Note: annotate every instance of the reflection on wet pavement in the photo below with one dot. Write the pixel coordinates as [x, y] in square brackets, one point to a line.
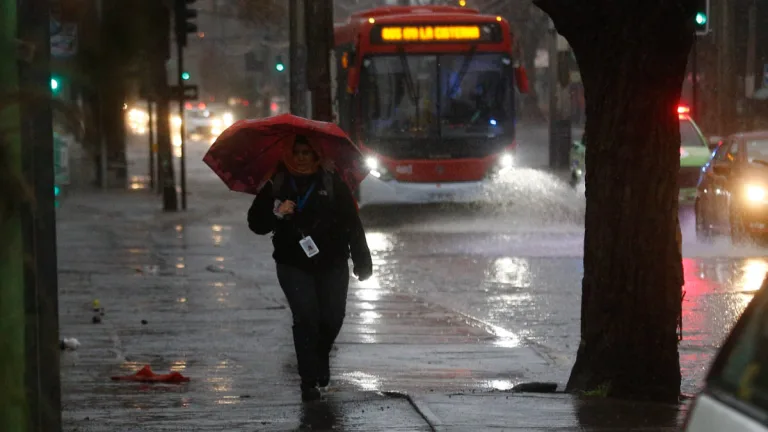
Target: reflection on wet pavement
[462, 300]
[533, 296]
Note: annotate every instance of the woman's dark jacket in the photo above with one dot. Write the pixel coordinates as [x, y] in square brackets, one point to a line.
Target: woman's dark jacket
[333, 224]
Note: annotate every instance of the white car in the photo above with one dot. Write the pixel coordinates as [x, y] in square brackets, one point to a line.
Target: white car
[208, 121]
[735, 396]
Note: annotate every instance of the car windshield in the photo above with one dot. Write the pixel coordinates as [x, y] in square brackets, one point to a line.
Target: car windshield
[690, 135]
[757, 150]
[402, 95]
[200, 114]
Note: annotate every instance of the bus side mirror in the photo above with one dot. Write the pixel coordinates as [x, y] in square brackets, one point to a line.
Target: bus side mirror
[353, 79]
[521, 78]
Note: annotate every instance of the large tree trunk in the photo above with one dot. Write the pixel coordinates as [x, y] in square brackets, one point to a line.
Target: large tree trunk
[632, 55]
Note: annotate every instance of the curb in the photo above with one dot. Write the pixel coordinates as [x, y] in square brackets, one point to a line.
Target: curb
[421, 407]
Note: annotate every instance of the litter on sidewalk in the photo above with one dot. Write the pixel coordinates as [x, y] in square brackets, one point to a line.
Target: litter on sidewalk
[147, 376]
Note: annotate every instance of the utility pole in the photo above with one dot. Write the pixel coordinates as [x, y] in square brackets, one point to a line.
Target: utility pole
[319, 32]
[695, 80]
[38, 220]
[13, 398]
[183, 125]
[553, 95]
[298, 58]
[559, 102]
[151, 133]
[725, 71]
[749, 75]
[158, 53]
[183, 14]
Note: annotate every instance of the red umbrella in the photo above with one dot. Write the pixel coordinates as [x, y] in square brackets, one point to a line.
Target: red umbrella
[246, 154]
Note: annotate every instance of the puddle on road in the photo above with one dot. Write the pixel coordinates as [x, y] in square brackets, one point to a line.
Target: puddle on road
[363, 380]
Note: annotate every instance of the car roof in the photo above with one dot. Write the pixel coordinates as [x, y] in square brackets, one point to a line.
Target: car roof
[752, 135]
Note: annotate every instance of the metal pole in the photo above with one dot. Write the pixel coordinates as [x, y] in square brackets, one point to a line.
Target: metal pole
[161, 21]
[151, 133]
[749, 76]
[695, 80]
[182, 127]
[39, 227]
[554, 89]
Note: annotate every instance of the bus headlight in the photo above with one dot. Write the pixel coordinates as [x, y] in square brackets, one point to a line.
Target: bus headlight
[376, 169]
[756, 193]
[506, 160]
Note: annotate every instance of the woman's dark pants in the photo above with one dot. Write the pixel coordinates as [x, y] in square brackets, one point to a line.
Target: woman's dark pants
[318, 302]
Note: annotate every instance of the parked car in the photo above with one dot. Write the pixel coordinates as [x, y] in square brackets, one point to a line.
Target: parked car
[695, 150]
[732, 194]
[735, 395]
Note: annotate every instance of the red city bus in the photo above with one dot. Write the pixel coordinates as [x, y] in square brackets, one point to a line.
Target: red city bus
[428, 92]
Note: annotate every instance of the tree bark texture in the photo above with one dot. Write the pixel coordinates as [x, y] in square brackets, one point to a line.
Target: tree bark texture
[632, 55]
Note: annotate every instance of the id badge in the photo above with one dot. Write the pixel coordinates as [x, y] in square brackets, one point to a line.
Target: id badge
[309, 246]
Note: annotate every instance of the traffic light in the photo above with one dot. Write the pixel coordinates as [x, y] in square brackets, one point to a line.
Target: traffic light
[279, 65]
[185, 15]
[185, 76]
[701, 17]
[55, 84]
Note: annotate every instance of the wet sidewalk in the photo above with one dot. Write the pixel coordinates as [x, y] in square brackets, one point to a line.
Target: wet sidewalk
[196, 293]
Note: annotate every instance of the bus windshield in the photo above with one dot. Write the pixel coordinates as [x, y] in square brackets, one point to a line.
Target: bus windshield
[457, 95]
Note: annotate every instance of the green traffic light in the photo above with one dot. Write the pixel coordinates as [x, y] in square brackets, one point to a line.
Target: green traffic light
[54, 84]
[185, 76]
[280, 67]
[701, 18]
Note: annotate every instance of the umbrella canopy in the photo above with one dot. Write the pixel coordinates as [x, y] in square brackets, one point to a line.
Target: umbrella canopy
[247, 153]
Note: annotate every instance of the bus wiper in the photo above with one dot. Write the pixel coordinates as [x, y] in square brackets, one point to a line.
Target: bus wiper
[464, 69]
[409, 84]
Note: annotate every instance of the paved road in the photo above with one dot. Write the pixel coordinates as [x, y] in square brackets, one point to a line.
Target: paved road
[464, 300]
[517, 266]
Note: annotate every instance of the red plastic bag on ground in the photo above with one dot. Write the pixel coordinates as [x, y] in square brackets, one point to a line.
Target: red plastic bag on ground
[147, 376]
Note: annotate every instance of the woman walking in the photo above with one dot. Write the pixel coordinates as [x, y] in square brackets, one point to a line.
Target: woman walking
[316, 228]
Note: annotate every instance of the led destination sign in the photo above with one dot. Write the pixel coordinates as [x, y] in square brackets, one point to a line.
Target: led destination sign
[435, 33]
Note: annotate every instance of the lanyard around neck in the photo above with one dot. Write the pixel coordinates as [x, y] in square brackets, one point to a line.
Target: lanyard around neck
[302, 201]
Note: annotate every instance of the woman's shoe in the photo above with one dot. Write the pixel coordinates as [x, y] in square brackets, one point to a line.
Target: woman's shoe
[310, 394]
[323, 381]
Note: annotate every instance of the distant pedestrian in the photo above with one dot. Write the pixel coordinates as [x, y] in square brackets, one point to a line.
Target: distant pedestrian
[316, 228]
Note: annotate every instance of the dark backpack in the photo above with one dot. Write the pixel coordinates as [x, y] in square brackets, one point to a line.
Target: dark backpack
[279, 180]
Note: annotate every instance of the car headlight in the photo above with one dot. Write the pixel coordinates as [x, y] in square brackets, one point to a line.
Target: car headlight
[176, 120]
[216, 124]
[228, 119]
[756, 193]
